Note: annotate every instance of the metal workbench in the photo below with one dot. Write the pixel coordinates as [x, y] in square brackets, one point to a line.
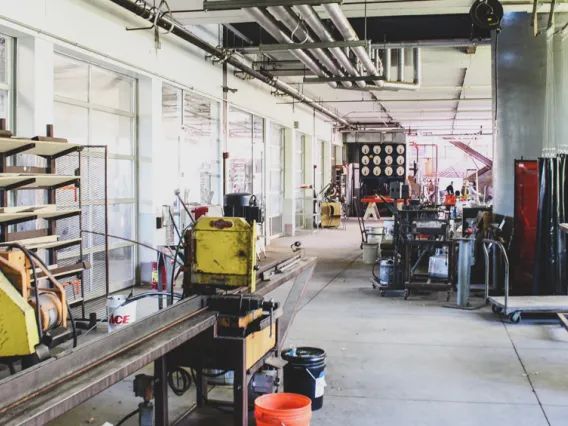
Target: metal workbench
[44, 392]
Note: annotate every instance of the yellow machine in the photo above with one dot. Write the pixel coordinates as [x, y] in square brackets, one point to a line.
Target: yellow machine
[18, 320]
[223, 252]
[331, 215]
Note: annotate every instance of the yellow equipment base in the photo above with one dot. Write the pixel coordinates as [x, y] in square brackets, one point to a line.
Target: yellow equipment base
[331, 215]
[224, 252]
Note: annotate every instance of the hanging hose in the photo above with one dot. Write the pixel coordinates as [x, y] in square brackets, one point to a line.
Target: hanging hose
[180, 375]
[128, 416]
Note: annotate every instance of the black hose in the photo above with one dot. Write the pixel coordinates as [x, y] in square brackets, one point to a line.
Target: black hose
[73, 327]
[180, 375]
[42, 263]
[149, 294]
[128, 416]
[37, 308]
[373, 270]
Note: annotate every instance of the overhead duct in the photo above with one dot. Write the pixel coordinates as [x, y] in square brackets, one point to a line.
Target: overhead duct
[401, 85]
[146, 11]
[342, 23]
[287, 16]
[267, 21]
[315, 23]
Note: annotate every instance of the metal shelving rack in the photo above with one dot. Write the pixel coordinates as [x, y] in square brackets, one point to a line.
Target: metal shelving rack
[16, 178]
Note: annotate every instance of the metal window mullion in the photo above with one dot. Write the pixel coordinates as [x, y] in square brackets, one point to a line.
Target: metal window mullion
[95, 107]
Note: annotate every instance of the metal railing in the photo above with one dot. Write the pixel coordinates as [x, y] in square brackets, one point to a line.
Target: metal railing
[488, 245]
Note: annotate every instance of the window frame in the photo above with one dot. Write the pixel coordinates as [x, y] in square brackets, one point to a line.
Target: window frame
[133, 157]
[8, 86]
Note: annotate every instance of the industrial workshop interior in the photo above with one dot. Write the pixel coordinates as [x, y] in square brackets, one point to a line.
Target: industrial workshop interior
[283, 212]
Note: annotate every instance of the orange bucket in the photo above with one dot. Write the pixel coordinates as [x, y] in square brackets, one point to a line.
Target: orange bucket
[283, 409]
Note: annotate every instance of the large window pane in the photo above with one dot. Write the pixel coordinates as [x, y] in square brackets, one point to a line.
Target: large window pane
[72, 122]
[112, 130]
[111, 90]
[4, 104]
[3, 61]
[71, 78]
[121, 176]
[121, 221]
[240, 151]
[275, 166]
[121, 265]
[201, 125]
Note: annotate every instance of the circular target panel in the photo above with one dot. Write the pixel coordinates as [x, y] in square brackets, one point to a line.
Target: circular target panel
[365, 160]
[388, 171]
[400, 171]
[400, 149]
[377, 171]
[365, 149]
[400, 160]
[377, 149]
[365, 171]
[389, 149]
[388, 160]
[377, 160]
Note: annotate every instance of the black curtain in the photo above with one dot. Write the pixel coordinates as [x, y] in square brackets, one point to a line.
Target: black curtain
[550, 276]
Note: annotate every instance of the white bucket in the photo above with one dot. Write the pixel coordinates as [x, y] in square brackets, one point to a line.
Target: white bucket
[118, 315]
[370, 253]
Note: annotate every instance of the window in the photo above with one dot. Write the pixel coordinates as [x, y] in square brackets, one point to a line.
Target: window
[246, 153]
[6, 89]
[299, 178]
[95, 106]
[275, 165]
[192, 133]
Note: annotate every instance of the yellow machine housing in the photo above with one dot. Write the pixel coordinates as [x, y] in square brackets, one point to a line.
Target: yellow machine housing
[331, 215]
[17, 318]
[224, 253]
[18, 326]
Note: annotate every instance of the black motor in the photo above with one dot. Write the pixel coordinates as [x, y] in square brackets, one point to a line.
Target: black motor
[242, 205]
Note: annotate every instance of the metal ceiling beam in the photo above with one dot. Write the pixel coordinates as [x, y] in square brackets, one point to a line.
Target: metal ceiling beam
[318, 80]
[358, 101]
[460, 42]
[147, 12]
[242, 4]
[307, 46]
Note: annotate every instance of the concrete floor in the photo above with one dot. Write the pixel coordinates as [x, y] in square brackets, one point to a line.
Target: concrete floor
[401, 363]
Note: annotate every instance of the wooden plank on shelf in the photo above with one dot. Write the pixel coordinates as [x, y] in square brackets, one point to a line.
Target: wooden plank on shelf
[37, 181]
[43, 148]
[26, 209]
[24, 235]
[53, 244]
[25, 216]
[62, 271]
[38, 240]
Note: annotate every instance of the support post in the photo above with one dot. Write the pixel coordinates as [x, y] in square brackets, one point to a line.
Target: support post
[161, 392]
[464, 272]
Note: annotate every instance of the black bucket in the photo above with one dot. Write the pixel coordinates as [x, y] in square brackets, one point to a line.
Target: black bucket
[305, 373]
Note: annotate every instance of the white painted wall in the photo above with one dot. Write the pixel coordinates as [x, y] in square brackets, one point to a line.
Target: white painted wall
[96, 28]
[95, 31]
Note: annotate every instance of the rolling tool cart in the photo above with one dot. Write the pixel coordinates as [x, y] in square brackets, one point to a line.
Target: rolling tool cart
[512, 307]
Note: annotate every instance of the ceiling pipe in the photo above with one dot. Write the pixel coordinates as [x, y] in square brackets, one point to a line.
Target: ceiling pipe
[316, 24]
[342, 23]
[287, 16]
[401, 65]
[400, 85]
[146, 11]
[388, 64]
[270, 24]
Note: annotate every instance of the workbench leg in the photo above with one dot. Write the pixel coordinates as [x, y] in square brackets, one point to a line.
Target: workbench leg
[240, 387]
[200, 387]
[161, 392]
